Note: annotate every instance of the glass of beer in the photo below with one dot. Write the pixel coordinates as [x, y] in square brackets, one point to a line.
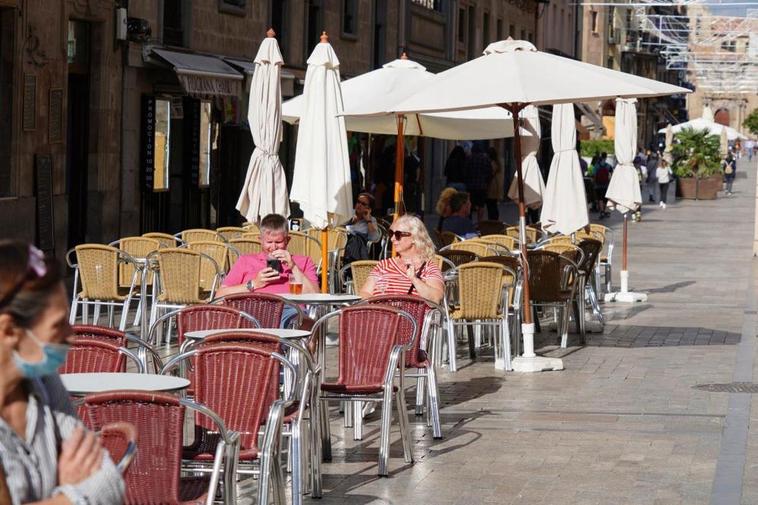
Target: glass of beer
[296, 287]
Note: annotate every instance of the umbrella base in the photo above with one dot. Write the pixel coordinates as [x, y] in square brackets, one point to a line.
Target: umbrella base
[537, 364]
[625, 297]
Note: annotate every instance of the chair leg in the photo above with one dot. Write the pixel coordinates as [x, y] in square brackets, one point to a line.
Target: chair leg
[503, 347]
[85, 311]
[96, 317]
[405, 433]
[296, 457]
[315, 446]
[326, 436]
[347, 421]
[357, 409]
[138, 313]
[592, 295]
[384, 438]
[563, 324]
[478, 336]
[434, 402]
[420, 394]
[582, 309]
[471, 341]
[124, 314]
[74, 310]
[451, 346]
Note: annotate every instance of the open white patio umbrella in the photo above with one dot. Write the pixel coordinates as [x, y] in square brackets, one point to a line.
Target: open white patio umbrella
[564, 209]
[513, 74]
[369, 96]
[624, 187]
[534, 187]
[321, 179]
[702, 123]
[265, 188]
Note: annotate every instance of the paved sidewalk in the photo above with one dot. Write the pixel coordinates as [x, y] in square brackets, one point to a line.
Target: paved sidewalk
[623, 423]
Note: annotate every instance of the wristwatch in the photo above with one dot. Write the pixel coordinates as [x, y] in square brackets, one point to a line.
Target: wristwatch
[250, 286]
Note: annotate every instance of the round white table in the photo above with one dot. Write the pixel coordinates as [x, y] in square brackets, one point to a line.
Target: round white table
[87, 383]
[276, 332]
[321, 298]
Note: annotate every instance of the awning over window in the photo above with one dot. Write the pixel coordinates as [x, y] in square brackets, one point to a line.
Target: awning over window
[248, 67]
[203, 76]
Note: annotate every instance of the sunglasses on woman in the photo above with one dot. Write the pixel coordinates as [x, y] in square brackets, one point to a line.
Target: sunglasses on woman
[397, 235]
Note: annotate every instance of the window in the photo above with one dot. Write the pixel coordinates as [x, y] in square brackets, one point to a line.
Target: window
[236, 7]
[279, 17]
[7, 35]
[471, 32]
[593, 21]
[486, 29]
[511, 31]
[432, 5]
[349, 17]
[315, 26]
[499, 29]
[173, 26]
[461, 25]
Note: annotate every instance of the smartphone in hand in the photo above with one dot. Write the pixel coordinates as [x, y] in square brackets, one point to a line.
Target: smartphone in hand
[275, 264]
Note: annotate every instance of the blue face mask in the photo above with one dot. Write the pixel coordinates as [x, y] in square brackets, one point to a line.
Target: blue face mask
[53, 356]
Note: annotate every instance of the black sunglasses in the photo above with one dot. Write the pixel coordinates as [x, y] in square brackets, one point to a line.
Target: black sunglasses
[399, 234]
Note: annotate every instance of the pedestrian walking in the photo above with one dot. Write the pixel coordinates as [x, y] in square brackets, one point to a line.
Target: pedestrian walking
[729, 165]
[663, 174]
[750, 147]
[652, 178]
[497, 186]
[602, 179]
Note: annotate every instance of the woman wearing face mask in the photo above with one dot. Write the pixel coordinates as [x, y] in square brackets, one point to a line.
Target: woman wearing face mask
[47, 455]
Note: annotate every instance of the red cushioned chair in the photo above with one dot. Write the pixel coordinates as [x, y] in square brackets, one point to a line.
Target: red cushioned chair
[120, 338]
[264, 307]
[369, 356]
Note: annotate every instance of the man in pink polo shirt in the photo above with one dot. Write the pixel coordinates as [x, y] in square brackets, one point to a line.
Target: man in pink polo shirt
[251, 272]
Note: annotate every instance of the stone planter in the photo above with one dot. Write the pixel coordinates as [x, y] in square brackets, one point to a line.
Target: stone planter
[691, 188]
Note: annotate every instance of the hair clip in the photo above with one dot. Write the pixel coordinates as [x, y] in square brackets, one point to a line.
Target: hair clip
[37, 261]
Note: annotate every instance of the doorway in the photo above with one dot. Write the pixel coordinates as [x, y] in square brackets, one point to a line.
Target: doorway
[77, 129]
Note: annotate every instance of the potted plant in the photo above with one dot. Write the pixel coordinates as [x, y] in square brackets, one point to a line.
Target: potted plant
[697, 164]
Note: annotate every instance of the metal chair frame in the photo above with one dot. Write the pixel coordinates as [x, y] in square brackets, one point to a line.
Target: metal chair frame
[130, 435]
[83, 342]
[348, 285]
[568, 282]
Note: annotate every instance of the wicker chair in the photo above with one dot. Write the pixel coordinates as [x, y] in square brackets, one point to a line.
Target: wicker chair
[154, 473]
[443, 263]
[336, 242]
[266, 308]
[120, 440]
[220, 252]
[604, 264]
[199, 234]
[164, 239]
[359, 272]
[571, 251]
[445, 238]
[369, 358]
[138, 248]
[94, 356]
[422, 353]
[480, 294]
[229, 232]
[251, 227]
[241, 246]
[513, 286]
[552, 282]
[180, 279]
[491, 227]
[458, 257]
[241, 384]
[120, 339]
[478, 248]
[532, 234]
[493, 246]
[510, 243]
[591, 249]
[96, 269]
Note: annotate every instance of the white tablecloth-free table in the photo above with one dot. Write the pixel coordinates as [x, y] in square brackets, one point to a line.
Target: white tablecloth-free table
[276, 332]
[321, 298]
[87, 383]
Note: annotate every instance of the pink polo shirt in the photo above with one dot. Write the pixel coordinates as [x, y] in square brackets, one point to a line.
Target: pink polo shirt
[248, 266]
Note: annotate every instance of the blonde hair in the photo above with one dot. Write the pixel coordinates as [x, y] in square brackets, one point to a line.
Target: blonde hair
[444, 199]
[419, 235]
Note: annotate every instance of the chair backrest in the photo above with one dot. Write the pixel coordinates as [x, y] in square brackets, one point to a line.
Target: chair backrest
[199, 234]
[300, 244]
[480, 289]
[136, 247]
[93, 356]
[98, 271]
[239, 383]
[531, 233]
[268, 342]
[360, 271]
[477, 248]
[367, 334]
[264, 307]
[506, 241]
[241, 246]
[229, 232]
[458, 257]
[417, 307]
[447, 237]
[492, 247]
[153, 475]
[559, 239]
[164, 239]
[219, 252]
[490, 227]
[210, 317]
[251, 227]
[91, 332]
[571, 251]
[512, 273]
[443, 263]
[180, 275]
[592, 249]
[336, 241]
[545, 276]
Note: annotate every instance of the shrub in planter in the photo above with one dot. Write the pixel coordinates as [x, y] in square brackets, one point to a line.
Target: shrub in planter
[697, 163]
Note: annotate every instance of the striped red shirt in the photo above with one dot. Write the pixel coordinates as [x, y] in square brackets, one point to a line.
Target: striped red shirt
[390, 277]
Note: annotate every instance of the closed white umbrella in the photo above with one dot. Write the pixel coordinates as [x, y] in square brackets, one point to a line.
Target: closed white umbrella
[513, 74]
[624, 187]
[564, 209]
[724, 143]
[265, 188]
[534, 186]
[321, 179]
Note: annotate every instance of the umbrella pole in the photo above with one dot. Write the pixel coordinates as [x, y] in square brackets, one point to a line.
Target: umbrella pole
[324, 261]
[624, 295]
[399, 171]
[528, 361]
[624, 249]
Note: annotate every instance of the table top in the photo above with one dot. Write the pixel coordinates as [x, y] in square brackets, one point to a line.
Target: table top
[277, 332]
[86, 383]
[321, 298]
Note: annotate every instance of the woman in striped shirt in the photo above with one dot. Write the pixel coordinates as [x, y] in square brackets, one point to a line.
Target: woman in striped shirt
[47, 455]
[413, 270]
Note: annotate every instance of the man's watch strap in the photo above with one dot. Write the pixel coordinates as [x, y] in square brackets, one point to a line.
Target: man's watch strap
[250, 286]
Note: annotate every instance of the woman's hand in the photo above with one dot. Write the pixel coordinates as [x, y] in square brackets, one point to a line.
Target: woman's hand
[81, 456]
